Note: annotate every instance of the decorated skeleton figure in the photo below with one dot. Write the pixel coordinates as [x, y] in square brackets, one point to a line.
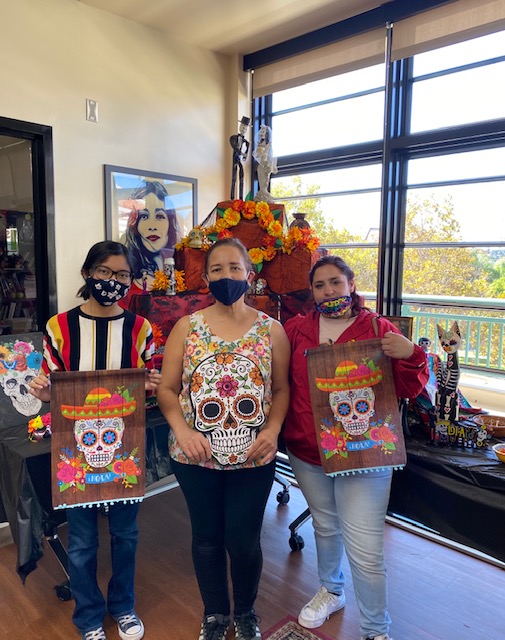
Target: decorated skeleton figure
[447, 399]
[19, 364]
[227, 393]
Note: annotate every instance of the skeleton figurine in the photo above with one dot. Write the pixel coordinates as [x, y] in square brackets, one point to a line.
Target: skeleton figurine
[240, 147]
[227, 392]
[266, 163]
[447, 397]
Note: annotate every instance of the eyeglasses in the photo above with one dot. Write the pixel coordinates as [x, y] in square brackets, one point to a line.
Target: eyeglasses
[104, 273]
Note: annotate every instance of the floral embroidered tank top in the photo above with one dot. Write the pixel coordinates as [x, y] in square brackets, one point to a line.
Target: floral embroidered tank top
[226, 390]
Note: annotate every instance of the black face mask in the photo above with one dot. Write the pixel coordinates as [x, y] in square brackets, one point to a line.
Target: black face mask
[227, 291]
[107, 292]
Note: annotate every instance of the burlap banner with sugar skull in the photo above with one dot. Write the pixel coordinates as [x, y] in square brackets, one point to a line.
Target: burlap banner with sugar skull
[358, 424]
[98, 441]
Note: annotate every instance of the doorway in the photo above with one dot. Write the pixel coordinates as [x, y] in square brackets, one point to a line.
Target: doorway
[27, 262]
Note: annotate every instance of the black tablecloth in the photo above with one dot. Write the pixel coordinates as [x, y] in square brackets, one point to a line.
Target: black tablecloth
[457, 492]
[25, 484]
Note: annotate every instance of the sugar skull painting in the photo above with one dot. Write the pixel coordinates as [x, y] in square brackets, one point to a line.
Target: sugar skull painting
[98, 437]
[356, 417]
[227, 396]
[19, 364]
[99, 425]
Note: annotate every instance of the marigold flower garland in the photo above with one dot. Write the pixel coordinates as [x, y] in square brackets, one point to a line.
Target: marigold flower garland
[273, 241]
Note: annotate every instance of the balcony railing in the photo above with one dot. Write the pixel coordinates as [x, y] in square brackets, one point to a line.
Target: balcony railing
[481, 322]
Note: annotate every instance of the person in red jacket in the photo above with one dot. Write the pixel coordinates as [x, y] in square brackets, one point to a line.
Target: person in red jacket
[348, 511]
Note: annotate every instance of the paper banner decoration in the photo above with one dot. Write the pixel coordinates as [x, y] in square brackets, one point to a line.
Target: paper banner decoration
[356, 416]
[98, 441]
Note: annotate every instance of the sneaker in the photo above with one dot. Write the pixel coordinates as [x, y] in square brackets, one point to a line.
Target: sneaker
[214, 627]
[320, 608]
[384, 636]
[246, 626]
[96, 634]
[130, 627]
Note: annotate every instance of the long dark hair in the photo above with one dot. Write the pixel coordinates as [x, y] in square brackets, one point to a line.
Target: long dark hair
[230, 242]
[336, 261]
[144, 259]
[99, 253]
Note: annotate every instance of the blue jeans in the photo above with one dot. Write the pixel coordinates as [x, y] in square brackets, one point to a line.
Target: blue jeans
[349, 512]
[90, 606]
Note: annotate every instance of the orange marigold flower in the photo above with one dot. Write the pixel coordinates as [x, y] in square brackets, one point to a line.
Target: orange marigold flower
[268, 240]
[180, 282]
[160, 282]
[159, 338]
[275, 229]
[265, 219]
[225, 233]
[256, 255]
[269, 253]
[249, 210]
[237, 205]
[262, 208]
[232, 217]
[221, 224]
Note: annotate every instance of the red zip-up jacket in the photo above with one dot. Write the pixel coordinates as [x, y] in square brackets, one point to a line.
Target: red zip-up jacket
[299, 434]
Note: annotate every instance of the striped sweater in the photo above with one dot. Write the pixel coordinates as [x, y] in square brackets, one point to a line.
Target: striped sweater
[74, 341]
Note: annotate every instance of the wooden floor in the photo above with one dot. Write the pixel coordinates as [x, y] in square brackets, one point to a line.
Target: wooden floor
[435, 593]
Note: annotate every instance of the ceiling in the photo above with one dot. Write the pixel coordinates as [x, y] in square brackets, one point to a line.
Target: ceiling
[235, 26]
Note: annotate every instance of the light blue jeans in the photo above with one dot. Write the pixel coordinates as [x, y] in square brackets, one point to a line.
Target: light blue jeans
[349, 512]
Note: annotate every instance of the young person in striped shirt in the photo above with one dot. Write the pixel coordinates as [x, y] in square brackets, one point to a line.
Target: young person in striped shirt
[98, 335]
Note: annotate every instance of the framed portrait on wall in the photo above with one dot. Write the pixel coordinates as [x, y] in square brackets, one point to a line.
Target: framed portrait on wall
[148, 212]
[404, 323]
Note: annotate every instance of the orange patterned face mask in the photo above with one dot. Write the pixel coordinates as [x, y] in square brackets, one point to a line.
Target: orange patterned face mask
[334, 307]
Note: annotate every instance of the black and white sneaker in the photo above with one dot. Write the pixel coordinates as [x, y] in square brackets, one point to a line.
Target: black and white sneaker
[246, 626]
[214, 627]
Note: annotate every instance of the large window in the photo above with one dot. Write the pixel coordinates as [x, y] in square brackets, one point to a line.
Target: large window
[434, 238]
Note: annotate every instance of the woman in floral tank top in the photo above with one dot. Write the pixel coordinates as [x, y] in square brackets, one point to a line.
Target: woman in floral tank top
[225, 393]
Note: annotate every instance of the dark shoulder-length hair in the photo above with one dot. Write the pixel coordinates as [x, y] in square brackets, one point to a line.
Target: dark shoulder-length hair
[99, 253]
[145, 259]
[339, 263]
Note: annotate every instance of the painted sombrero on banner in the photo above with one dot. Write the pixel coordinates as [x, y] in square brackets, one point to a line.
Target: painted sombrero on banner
[356, 416]
[100, 459]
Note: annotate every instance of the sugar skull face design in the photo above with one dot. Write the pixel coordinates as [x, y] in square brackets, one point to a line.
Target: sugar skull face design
[19, 364]
[353, 408]
[99, 425]
[352, 399]
[227, 397]
[98, 439]
[16, 385]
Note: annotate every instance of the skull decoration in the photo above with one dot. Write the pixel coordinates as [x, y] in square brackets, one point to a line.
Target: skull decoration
[227, 392]
[98, 439]
[19, 364]
[353, 408]
[16, 385]
[352, 399]
[99, 425]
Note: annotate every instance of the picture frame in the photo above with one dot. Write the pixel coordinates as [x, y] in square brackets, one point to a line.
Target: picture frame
[404, 323]
[122, 182]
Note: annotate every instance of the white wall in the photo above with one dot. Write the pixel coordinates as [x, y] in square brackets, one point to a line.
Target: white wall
[164, 106]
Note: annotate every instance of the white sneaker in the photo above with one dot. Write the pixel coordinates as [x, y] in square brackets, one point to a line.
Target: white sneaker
[320, 608]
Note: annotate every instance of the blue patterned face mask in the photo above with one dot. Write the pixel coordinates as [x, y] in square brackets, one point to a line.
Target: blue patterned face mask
[335, 307]
[227, 291]
[107, 292]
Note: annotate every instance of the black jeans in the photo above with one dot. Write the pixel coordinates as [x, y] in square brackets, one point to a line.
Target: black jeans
[226, 510]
